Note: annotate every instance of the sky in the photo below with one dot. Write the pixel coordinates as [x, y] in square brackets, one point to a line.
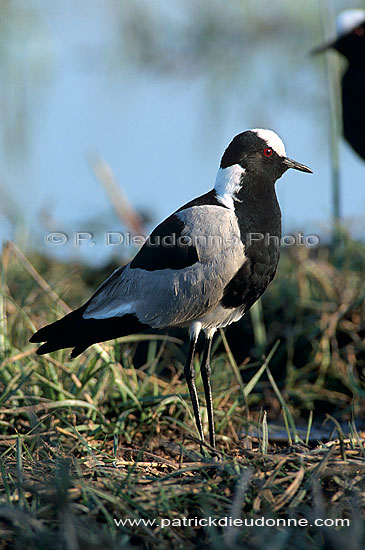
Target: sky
[158, 93]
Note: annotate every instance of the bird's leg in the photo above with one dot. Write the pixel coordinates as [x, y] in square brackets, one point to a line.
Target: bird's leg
[189, 374]
[205, 372]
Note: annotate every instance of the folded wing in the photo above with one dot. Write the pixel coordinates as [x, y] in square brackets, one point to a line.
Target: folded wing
[179, 274]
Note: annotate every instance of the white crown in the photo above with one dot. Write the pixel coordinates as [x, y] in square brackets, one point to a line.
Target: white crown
[348, 20]
[273, 141]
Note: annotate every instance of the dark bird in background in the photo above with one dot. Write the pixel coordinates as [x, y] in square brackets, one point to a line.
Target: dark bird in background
[202, 268]
[350, 42]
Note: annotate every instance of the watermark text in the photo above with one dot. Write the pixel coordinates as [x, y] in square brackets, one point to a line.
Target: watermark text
[116, 238]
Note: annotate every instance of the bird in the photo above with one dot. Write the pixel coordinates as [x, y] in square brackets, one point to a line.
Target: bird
[350, 42]
[202, 268]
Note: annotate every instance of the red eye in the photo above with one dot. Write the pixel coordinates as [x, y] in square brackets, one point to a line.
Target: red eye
[268, 152]
[359, 31]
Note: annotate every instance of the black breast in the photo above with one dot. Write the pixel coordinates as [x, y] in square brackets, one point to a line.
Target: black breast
[252, 279]
[259, 220]
[353, 107]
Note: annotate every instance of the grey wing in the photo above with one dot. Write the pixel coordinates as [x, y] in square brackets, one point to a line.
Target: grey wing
[171, 297]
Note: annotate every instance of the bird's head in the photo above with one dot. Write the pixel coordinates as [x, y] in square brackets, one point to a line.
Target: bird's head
[261, 153]
[253, 160]
[350, 36]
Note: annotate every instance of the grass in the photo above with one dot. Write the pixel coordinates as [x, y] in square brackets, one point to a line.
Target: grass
[110, 435]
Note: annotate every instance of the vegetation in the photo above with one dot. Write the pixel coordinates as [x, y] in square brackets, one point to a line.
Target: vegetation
[110, 435]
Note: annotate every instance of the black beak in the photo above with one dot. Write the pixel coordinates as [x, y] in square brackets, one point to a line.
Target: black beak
[323, 47]
[289, 163]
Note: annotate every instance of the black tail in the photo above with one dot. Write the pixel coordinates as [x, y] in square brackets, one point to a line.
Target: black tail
[73, 331]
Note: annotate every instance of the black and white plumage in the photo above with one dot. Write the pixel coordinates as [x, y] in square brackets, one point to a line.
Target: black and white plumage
[202, 268]
[350, 42]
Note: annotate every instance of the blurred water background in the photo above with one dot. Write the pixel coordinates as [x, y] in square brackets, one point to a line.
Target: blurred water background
[158, 89]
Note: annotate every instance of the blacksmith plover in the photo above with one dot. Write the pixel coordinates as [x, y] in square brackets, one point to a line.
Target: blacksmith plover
[350, 42]
[201, 268]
